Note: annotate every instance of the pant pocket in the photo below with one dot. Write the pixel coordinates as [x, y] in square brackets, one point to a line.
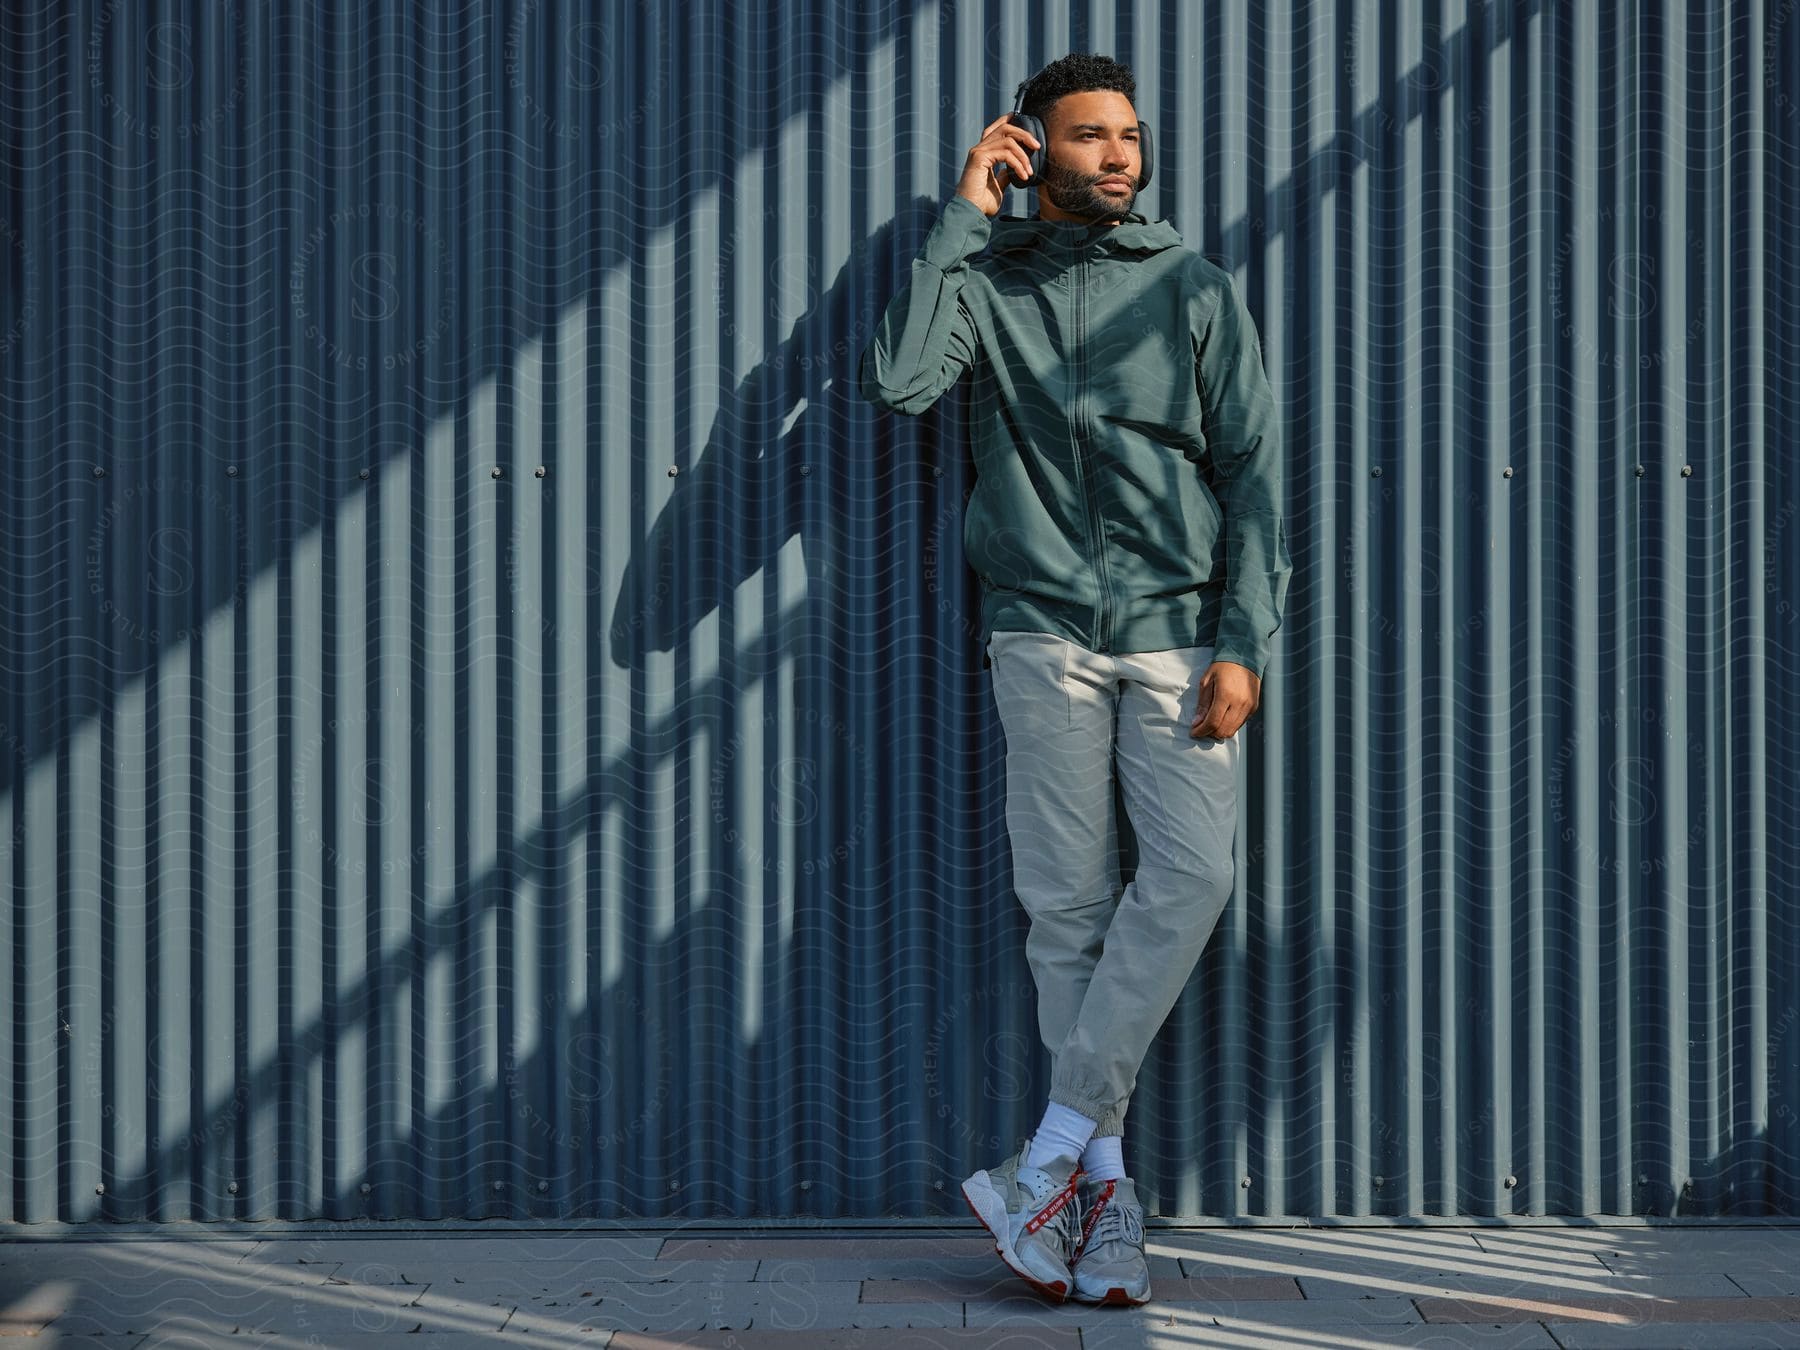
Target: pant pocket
[1029, 676]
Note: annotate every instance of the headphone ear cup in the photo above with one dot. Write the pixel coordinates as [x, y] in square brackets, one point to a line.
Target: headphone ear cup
[1035, 129]
[1148, 151]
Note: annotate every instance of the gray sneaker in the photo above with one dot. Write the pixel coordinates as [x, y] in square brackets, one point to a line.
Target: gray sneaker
[1031, 1213]
[1109, 1265]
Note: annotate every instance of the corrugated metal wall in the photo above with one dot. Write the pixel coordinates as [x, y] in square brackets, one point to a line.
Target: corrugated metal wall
[493, 726]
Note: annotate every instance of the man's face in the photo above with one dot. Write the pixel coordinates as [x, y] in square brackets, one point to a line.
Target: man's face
[1090, 138]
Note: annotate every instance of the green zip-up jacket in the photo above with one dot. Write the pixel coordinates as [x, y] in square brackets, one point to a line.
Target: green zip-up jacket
[1127, 445]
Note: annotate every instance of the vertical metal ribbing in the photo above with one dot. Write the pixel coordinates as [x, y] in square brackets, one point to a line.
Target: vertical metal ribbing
[1744, 255]
[1498, 955]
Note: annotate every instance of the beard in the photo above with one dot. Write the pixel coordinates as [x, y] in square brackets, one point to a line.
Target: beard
[1075, 192]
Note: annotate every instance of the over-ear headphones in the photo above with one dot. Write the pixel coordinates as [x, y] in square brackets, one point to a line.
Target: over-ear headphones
[1035, 126]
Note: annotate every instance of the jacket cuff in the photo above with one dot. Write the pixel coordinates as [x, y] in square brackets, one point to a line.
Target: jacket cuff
[1239, 642]
[961, 230]
[1254, 662]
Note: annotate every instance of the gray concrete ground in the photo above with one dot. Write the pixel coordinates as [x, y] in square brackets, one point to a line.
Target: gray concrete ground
[1640, 1287]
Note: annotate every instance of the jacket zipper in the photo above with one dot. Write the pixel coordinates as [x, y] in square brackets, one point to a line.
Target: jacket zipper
[1077, 428]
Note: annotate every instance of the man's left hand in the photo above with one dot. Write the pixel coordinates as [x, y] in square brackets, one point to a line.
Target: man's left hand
[1229, 693]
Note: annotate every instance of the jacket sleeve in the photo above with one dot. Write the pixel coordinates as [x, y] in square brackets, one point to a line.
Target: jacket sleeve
[1243, 436]
[925, 338]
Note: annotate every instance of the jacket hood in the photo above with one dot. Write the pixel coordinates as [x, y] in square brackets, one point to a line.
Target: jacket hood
[1133, 233]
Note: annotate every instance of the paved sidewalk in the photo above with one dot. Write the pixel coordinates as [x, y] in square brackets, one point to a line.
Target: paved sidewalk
[803, 1288]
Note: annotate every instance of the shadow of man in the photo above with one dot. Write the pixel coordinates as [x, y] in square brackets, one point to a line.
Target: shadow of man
[732, 513]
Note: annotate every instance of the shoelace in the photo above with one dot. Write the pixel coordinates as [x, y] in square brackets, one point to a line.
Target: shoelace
[1109, 1220]
[1058, 1212]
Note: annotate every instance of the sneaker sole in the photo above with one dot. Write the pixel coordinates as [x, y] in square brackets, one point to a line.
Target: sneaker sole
[987, 1206]
[1114, 1297]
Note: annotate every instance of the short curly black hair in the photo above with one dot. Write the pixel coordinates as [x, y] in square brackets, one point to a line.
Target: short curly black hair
[1076, 73]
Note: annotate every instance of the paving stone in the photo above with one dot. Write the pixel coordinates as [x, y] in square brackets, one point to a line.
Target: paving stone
[907, 1315]
[1184, 1335]
[1537, 1235]
[1601, 1282]
[985, 1284]
[1785, 1284]
[1655, 1250]
[1725, 1254]
[293, 1311]
[1261, 1335]
[1485, 1335]
[229, 1271]
[1364, 1267]
[92, 1274]
[198, 1336]
[958, 1269]
[1431, 1249]
[229, 1298]
[1627, 1235]
[991, 1285]
[453, 1250]
[1305, 1323]
[589, 1322]
[530, 1275]
[948, 1338]
[1361, 1257]
[1712, 1336]
[770, 1248]
[27, 1305]
[684, 1306]
[448, 1304]
[1413, 1246]
[1608, 1309]
[137, 1263]
[339, 1340]
[551, 1326]
[111, 1242]
[1309, 1312]
[1028, 1311]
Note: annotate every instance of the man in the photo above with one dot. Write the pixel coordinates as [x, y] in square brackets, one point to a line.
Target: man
[1126, 528]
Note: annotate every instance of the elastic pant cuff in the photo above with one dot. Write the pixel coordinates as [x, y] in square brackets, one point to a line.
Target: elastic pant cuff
[1108, 1115]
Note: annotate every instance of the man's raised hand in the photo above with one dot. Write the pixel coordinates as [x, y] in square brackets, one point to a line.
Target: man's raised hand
[1004, 149]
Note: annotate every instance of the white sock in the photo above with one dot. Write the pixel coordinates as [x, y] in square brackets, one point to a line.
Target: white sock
[1104, 1158]
[1064, 1133]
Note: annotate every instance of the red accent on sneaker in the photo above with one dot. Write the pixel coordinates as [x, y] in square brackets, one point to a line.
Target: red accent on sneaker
[1093, 1217]
[1052, 1207]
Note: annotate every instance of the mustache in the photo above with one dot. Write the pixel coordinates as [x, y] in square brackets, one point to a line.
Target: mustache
[1075, 177]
